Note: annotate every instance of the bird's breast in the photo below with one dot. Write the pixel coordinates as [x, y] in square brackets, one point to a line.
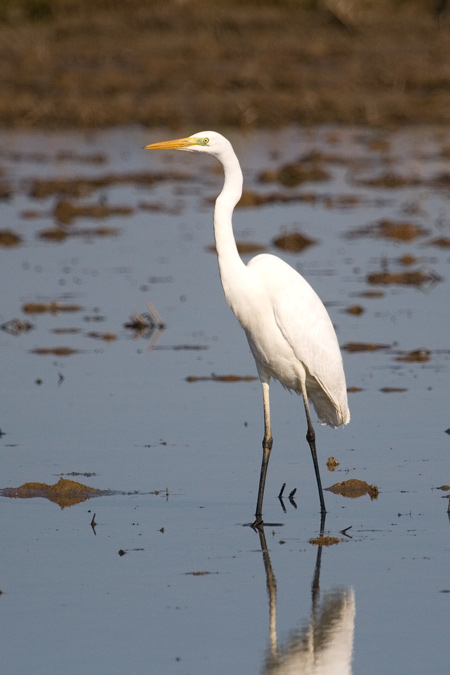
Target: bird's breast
[274, 356]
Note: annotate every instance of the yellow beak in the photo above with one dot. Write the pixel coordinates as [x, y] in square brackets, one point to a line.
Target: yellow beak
[177, 144]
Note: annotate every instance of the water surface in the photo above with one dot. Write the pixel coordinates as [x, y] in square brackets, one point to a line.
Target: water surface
[171, 580]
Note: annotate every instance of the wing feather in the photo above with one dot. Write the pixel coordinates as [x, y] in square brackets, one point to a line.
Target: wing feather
[305, 324]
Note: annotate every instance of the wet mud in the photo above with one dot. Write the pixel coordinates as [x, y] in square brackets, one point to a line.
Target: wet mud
[221, 378]
[9, 239]
[354, 488]
[65, 492]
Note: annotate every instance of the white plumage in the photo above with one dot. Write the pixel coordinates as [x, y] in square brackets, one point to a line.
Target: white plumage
[287, 326]
[325, 646]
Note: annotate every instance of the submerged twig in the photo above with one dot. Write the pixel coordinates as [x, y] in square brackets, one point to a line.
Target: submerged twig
[291, 498]
[16, 326]
[345, 530]
[158, 322]
[147, 325]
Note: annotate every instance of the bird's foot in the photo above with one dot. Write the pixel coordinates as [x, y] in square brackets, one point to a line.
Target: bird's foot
[258, 524]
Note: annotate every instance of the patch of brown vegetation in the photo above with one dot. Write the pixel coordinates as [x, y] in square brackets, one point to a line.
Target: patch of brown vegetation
[106, 337]
[324, 541]
[354, 488]
[199, 574]
[54, 234]
[72, 63]
[66, 331]
[60, 234]
[221, 378]
[291, 175]
[294, 242]
[251, 199]
[416, 356]
[355, 310]
[243, 247]
[388, 180]
[54, 351]
[65, 212]
[16, 326]
[370, 294]
[65, 492]
[393, 390]
[9, 238]
[41, 188]
[51, 307]
[440, 242]
[390, 229]
[332, 464]
[413, 278]
[354, 347]
[407, 259]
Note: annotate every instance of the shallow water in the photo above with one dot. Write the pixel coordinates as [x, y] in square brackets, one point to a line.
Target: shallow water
[193, 590]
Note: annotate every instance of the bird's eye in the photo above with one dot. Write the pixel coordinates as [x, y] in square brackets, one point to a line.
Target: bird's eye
[205, 141]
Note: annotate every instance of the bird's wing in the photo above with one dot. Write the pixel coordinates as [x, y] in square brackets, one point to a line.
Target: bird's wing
[305, 324]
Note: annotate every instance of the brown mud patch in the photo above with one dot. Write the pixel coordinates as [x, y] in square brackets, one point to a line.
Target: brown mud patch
[65, 212]
[221, 378]
[354, 310]
[72, 63]
[354, 488]
[54, 351]
[393, 390]
[9, 238]
[369, 294]
[243, 247]
[106, 337]
[415, 356]
[325, 541]
[410, 278]
[58, 234]
[17, 326]
[390, 229]
[76, 186]
[354, 347]
[297, 173]
[201, 573]
[294, 242]
[54, 307]
[440, 242]
[65, 492]
[332, 464]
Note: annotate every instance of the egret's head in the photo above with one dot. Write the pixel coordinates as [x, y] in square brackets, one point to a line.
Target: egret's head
[205, 141]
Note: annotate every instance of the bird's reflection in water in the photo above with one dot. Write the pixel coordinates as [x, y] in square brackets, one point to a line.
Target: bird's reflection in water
[322, 647]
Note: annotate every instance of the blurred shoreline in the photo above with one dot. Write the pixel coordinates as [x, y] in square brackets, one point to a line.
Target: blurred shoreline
[101, 63]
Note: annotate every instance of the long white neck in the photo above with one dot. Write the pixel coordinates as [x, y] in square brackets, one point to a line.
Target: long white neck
[231, 266]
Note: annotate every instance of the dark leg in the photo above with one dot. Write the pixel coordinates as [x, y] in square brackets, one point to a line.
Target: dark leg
[311, 438]
[267, 447]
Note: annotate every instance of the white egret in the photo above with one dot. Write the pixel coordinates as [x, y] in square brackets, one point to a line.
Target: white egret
[287, 326]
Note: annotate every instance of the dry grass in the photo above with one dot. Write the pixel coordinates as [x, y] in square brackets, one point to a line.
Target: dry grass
[190, 62]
